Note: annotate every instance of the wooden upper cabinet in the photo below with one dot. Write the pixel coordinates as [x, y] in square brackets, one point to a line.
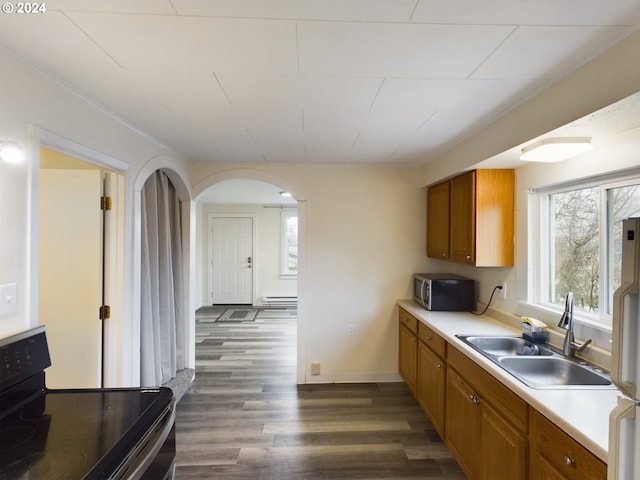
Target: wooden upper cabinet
[480, 219]
[438, 221]
[462, 238]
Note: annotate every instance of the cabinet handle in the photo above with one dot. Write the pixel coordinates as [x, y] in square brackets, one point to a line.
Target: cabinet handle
[475, 400]
[438, 365]
[413, 340]
[468, 257]
[568, 461]
[427, 339]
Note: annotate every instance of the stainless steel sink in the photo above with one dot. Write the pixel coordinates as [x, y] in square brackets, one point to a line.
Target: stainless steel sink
[552, 371]
[500, 346]
[538, 366]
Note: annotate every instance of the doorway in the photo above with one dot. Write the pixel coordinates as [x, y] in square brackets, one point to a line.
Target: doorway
[231, 276]
[75, 235]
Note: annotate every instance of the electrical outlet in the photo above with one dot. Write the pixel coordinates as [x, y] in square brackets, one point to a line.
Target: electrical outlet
[503, 291]
[351, 330]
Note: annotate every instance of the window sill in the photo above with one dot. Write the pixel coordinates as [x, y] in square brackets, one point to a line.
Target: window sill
[599, 352]
[553, 312]
[584, 327]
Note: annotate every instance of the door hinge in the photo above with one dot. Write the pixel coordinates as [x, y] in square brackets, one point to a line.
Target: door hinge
[104, 312]
[105, 203]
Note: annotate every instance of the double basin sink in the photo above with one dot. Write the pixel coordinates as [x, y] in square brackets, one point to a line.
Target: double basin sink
[537, 366]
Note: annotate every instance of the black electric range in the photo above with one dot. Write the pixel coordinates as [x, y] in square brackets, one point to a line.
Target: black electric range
[78, 434]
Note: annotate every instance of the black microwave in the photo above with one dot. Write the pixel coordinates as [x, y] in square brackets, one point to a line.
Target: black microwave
[444, 292]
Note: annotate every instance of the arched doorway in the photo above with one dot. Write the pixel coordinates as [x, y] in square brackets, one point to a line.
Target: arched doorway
[184, 342]
[199, 192]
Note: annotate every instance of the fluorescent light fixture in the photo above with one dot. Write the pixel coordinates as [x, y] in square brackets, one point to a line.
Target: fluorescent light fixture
[551, 150]
[285, 194]
[10, 152]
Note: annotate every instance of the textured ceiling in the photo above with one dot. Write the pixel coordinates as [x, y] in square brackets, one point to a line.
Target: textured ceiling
[313, 81]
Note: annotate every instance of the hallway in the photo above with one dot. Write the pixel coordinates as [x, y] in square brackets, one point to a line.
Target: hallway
[245, 417]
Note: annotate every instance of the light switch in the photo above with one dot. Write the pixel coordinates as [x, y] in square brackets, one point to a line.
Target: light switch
[8, 303]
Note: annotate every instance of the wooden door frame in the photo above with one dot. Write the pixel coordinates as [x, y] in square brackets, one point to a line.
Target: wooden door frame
[254, 241]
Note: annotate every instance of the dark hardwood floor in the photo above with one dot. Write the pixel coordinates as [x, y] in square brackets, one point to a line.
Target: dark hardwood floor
[245, 417]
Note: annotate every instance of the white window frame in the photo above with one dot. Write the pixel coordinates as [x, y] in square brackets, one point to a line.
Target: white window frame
[539, 254]
[285, 272]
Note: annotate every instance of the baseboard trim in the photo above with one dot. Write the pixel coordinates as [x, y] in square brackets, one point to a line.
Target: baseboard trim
[354, 378]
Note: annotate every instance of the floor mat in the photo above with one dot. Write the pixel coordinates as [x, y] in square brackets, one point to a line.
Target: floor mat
[238, 315]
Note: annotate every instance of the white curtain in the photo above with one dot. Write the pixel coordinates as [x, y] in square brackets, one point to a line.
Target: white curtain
[162, 322]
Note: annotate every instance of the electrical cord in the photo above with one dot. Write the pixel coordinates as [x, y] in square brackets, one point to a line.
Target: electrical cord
[497, 287]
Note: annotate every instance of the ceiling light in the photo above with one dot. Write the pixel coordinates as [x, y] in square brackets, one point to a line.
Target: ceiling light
[285, 194]
[11, 152]
[551, 150]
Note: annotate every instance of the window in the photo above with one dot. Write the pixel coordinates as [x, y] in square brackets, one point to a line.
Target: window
[580, 244]
[289, 264]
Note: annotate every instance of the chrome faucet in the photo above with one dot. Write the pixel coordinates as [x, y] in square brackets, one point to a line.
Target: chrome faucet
[570, 346]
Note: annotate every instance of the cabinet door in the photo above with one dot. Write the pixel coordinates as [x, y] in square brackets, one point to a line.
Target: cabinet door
[552, 450]
[438, 221]
[408, 357]
[463, 226]
[504, 449]
[494, 217]
[431, 386]
[463, 423]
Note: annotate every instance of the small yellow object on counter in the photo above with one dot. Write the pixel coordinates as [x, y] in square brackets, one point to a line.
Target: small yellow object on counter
[534, 330]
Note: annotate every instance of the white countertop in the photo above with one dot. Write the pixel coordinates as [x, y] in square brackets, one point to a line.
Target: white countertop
[582, 413]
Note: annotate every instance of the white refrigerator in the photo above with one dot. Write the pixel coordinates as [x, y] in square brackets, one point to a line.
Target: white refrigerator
[624, 431]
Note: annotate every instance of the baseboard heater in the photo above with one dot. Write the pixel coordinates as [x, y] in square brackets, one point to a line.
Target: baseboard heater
[280, 301]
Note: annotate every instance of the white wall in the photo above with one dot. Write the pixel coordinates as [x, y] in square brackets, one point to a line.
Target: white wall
[14, 237]
[267, 242]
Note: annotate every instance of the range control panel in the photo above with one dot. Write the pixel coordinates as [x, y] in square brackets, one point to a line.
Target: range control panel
[22, 356]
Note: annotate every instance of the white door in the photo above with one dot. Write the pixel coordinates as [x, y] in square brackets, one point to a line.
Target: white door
[70, 275]
[232, 260]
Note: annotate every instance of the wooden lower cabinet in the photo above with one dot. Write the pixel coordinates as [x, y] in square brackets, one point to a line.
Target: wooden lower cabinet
[463, 424]
[408, 357]
[493, 433]
[486, 446]
[557, 456]
[431, 386]
[486, 423]
[504, 448]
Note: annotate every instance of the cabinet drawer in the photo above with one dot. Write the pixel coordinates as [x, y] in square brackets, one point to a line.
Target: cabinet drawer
[567, 456]
[511, 406]
[408, 321]
[434, 341]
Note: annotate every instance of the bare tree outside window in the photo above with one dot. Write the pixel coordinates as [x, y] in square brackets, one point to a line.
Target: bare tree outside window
[575, 249]
[575, 223]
